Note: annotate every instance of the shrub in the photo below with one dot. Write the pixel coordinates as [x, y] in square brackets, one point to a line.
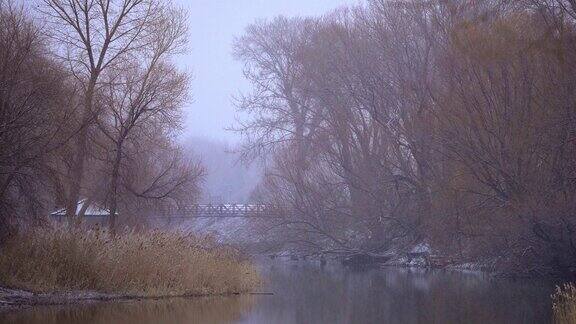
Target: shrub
[150, 263]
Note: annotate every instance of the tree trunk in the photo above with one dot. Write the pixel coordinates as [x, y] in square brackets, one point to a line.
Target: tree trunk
[80, 154]
[76, 174]
[114, 186]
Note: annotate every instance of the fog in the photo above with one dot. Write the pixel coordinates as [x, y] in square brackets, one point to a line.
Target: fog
[227, 180]
[390, 158]
[217, 76]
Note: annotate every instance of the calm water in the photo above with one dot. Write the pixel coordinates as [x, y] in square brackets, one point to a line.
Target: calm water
[305, 292]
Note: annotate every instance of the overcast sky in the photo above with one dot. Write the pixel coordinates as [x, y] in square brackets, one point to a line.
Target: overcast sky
[217, 76]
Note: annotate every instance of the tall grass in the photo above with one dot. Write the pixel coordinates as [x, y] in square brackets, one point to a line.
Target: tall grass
[151, 263]
[564, 305]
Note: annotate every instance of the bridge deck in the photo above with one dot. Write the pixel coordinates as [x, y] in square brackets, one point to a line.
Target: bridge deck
[225, 211]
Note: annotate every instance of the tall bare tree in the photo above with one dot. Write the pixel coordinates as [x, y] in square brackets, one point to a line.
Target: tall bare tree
[145, 96]
[95, 36]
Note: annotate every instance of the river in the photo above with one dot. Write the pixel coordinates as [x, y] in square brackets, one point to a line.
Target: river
[307, 292]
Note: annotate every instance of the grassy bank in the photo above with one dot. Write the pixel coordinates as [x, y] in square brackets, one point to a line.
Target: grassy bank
[565, 304]
[136, 263]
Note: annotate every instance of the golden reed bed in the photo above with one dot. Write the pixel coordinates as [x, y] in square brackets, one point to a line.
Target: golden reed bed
[152, 263]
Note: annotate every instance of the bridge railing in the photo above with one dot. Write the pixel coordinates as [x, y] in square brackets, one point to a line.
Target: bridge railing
[225, 210]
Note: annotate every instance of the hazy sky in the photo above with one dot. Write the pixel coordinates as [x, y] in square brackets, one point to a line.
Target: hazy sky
[217, 76]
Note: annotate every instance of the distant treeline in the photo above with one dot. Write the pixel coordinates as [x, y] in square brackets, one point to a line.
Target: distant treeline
[90, 101]
[444, 122]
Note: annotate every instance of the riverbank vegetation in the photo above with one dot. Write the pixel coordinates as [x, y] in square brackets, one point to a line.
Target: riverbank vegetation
[565, 304]
[150, 263]
[90, 107]
[397, 124]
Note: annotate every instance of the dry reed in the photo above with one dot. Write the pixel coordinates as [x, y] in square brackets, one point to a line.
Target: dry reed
[564, 304]
[151, 263]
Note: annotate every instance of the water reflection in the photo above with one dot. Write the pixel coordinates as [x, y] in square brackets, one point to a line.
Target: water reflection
[305, 292]
[197, 310]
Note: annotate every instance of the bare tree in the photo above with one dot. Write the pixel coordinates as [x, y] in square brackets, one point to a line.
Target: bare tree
[144, 97]
[95, 36]
[36, 107]
[272, 53]
[433, 121]
[156, 177]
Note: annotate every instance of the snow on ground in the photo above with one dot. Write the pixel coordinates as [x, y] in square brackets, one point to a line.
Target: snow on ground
[423, 248]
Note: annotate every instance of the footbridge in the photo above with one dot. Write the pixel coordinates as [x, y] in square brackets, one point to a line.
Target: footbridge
[226, 211]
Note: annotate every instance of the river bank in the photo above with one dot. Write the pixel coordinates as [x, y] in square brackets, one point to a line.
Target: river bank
[18, 298]
[420, 256]
[400, 260]
[63, 265]
[13, 299]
